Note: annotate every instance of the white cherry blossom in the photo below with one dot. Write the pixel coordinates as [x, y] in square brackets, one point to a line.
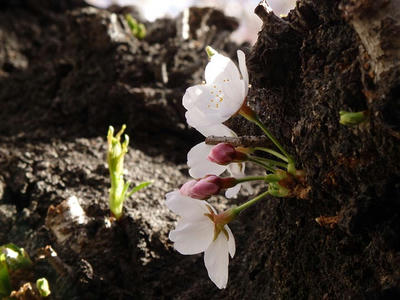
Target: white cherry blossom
[200, 165]
[196, 232]
[222, 95]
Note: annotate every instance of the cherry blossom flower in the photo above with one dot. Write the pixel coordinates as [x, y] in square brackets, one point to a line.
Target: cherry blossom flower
[223, 94]
[201, 229]
[200, 165]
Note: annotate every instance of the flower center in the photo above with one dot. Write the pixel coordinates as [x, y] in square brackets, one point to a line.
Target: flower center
[219, 223]
[217, 96]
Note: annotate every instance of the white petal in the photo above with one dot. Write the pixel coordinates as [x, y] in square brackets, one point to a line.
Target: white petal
[217, 130]
[216, 260]
[187, 207]
[224, 80]
[246, 186]
[233, 191]
[192, 238]
[243, 71]
[231, 241]
[221, 67]
[193, 94]
[202, 105]
[236, 170]
[202, 115]
[199, 164]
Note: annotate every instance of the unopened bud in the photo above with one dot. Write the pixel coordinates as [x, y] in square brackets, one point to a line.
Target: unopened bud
[206, 187]
[224, 154]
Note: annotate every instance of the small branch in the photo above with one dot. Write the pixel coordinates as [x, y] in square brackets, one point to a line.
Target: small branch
[243, 141]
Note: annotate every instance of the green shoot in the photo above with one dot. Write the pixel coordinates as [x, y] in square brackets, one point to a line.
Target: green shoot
[138, 29]
[43, 287]
[12, 258]
[115, 158]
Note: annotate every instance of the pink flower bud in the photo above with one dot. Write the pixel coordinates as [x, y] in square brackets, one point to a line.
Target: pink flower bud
[224, 154]
[186, 188]
[206, 187]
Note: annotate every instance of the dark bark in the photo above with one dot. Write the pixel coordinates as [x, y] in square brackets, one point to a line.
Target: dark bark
[67, 71]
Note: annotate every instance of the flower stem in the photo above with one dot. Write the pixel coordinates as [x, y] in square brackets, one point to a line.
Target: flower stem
[273, 152]
[271, 161]
[272, 138]
[262, 164]
[237, 210]
[250, 178]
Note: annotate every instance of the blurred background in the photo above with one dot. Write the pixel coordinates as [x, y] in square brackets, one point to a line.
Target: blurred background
[242, 9]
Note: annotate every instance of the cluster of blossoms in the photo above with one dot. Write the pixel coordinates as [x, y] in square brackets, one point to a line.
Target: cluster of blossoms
[201, 228]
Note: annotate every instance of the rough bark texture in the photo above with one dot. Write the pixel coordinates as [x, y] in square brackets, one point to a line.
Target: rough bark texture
[67, 71]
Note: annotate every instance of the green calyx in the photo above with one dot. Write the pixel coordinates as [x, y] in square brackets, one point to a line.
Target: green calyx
[277, 190]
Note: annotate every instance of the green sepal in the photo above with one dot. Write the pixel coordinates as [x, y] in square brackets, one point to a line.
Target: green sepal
[276, 190]
[272, 178]
[210, 51]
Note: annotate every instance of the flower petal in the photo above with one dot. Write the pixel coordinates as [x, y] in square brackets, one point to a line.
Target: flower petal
[205, 105]
[243, 71]
[218, 130]
[231, 241]
[221, 67]
[233, 191]
[199, 164]
[193, 94]
[216, 260]
[236, 170]
[193, 238]
[187, 207]
[201, 115]
[227, 90]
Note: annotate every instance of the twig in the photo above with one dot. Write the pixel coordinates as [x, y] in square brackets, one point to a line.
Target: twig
[244, 141]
